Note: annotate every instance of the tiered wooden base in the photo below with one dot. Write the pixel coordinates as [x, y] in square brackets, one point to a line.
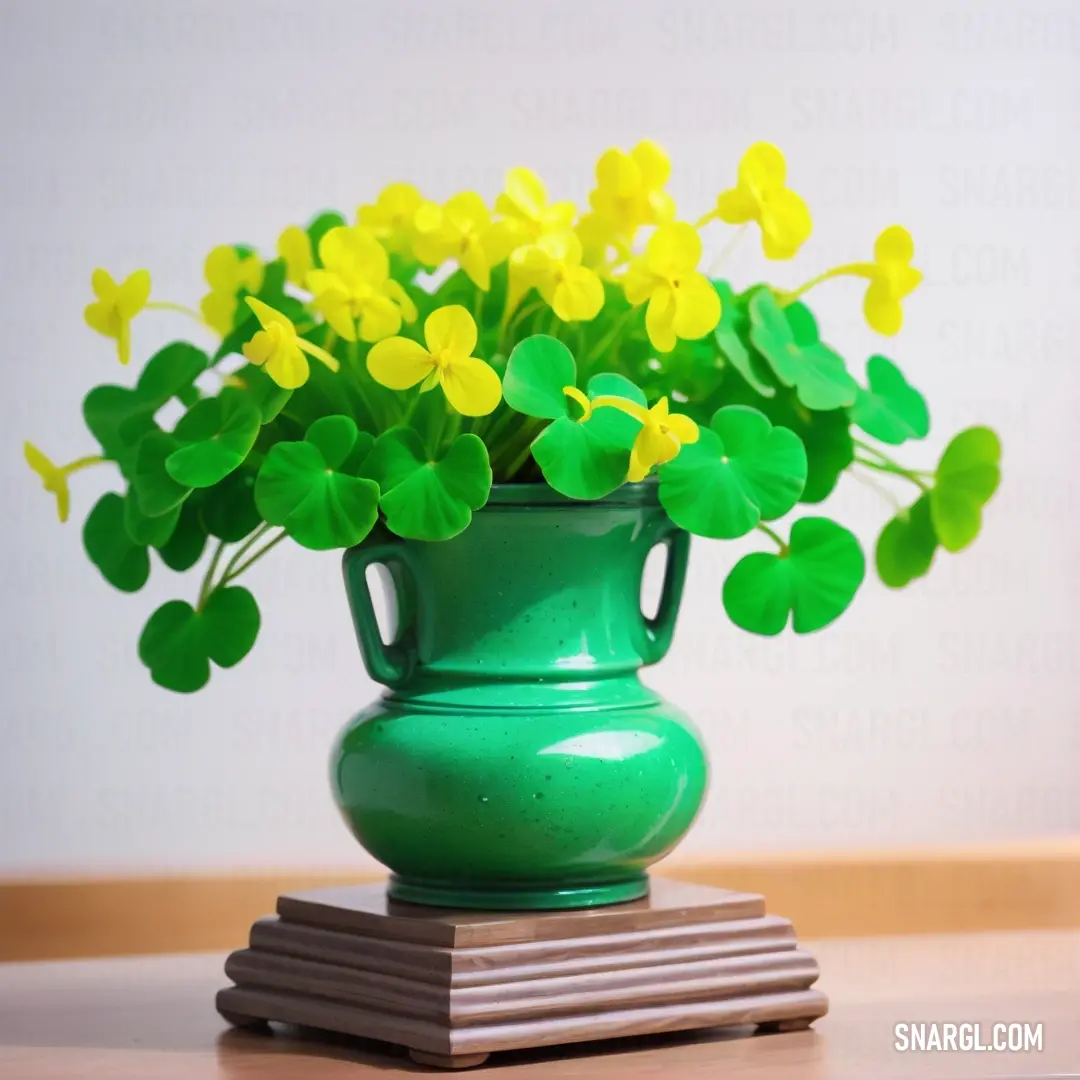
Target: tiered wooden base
[453, 986]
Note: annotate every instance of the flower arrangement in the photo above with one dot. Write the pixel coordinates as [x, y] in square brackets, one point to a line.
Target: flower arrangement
[392, 369]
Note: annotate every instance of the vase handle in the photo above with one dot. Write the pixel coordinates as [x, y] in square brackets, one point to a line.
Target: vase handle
[390, 664]
[659, 629]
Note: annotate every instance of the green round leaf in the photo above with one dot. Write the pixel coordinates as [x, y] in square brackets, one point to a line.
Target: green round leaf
[156, 490]
[216, 435]
[263, 392]
[906, 546]
[967, 476]
[813, 581]
[538, 369]
[318, 507]
[170, 372]
[891, 410]
[740, 471]
[178, 642]
[123, 563]
[118, 418]
[230, 625]
[818, 374]
[732, 334]
[320, 225]
[425, 499]
[148, 531]
[608, 424]
[228, 509]
[185, 546]
[582, 461]
[335, 436]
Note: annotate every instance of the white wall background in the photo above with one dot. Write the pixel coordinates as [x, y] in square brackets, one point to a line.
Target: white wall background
[143, 133]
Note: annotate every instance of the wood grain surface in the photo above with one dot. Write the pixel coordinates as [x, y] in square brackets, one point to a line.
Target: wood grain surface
[153, 1018]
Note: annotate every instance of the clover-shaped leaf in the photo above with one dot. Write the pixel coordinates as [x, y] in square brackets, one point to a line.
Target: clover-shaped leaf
[118, 418]
[170, 372]
[732, 333]
[812, 581]
[263, 392]
[216, 435]
[319, 506]
[123, 563]
[612, 426]
[538, 369]
[740, 471]
[818, 374]
[906, 546]
[967, 476]
[148, 531]
[228, 509]
[426, 499]
[891, 410]
[158, 493]
[178, 643]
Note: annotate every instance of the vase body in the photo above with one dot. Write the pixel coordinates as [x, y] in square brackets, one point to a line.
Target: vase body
[516, 760]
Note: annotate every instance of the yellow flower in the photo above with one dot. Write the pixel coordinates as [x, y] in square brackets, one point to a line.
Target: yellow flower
[761, 194]
[552, 265]
[682, 301]
[602, 247]
[892, 277]
[227, 272]
[278, 346]
[391, 218]
[629, 188]
[294, 246]
[527, 214]
[116, 306]
[470, 385]
[661, 437]
[54, 477]
[354, 290]
[460, 229]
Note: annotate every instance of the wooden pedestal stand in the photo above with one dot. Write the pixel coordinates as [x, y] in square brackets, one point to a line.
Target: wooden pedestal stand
[453, 986]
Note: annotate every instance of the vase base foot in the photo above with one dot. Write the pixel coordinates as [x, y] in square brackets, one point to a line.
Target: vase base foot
[452, 986]
[449, 895]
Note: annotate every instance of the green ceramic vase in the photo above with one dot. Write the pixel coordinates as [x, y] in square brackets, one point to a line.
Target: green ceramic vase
[516, 761]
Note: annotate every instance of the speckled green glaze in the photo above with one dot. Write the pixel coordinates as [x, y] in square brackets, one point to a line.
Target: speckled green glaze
[517, 761]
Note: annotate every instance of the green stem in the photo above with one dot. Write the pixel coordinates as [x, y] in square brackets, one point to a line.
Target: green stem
[520, 460]
[254, 558]
[261, 530]
[774, 537]
[857, 269]
[895, 470]
[191, 313]
[522, 313]
[353, 356]
[609, 339]
[205, 589]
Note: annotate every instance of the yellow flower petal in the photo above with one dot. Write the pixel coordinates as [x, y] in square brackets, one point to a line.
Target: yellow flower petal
[736, 207]
[133, 294]
[785, 225]
[673, 249]
[697, 307]
[222, 269]
[219, 310]
[882, 309]
[578, 295]
[451, 331]
[269, 316]
[653, 163]
[894, 245]
[102, 316]
[380, 318]
[288, 366]
[399, 363]
[319, 353]
[105, 289]
[294, 246]
[660, 319]
[53, 479]
[355, 256]
[762, 169]
[525, 195]
[396, 291]
[682, 427]
[470, 385]
[334, 306]
[474, 261]
[258, 350]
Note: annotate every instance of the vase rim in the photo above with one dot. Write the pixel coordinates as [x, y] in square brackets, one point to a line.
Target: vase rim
[645, 493]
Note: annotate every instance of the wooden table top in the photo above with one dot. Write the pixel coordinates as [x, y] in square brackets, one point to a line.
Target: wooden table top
[153, 1017]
